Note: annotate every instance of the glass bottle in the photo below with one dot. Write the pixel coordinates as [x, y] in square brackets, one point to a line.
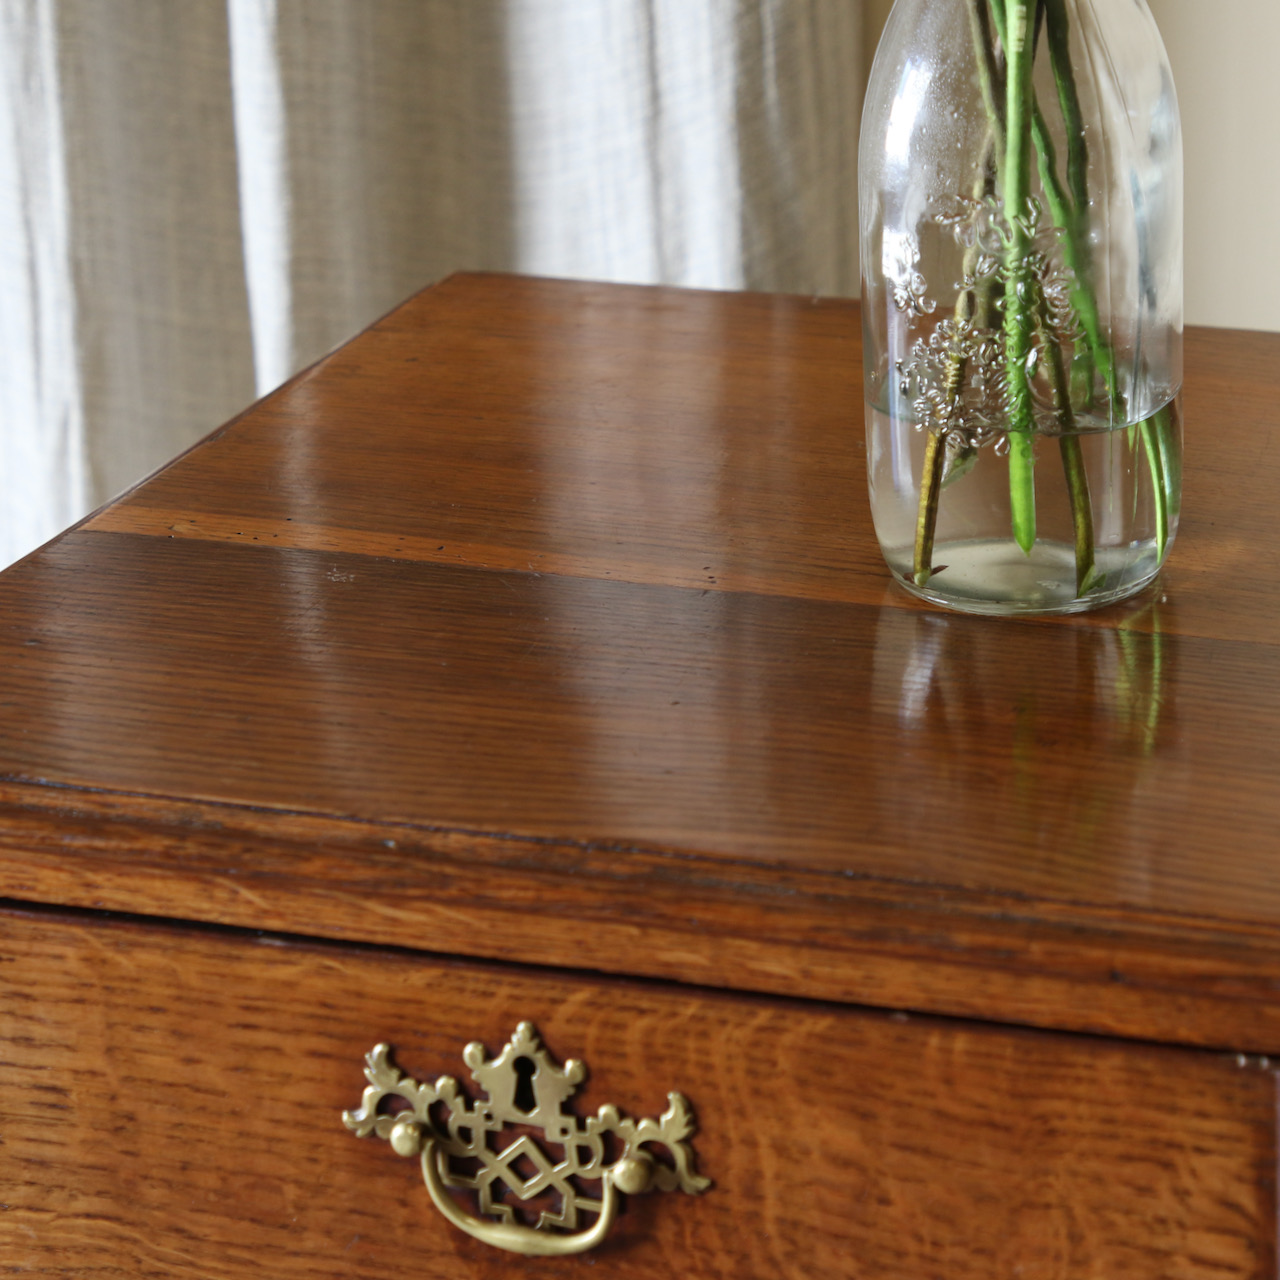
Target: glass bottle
[1021, 233]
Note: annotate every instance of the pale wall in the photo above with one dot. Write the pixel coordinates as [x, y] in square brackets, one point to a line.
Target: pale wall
[1224, 58]
[1224, 64]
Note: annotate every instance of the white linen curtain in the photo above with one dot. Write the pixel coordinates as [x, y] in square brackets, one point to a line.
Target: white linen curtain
[198, 197]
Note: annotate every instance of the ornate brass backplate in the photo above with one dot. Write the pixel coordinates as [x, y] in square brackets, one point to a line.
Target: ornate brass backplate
[524, 1088]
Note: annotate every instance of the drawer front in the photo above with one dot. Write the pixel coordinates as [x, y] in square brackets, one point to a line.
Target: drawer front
[170, 1104]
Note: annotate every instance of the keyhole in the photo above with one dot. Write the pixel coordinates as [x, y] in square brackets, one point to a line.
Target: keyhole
[526, 1095]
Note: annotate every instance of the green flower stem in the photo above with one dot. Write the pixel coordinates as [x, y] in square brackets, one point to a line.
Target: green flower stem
[933, 469]
[1075, 249]
[935, 458]
[1001, 21]
[1072, 454]
[1018, 123]
[1071, 212]
[1057, 35]
[1159, 437]
[1016, 175]
[989, 74]
[935, 454]
[1081, 505]
[1155, 462]
[1155, 432]
[1169, 441]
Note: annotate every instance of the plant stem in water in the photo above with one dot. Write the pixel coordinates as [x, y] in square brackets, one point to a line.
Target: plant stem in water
[1017, 192]
[1159, 441]
[1155, 431]
[935, 457]
[990, 78]
[1017, 128]
[1081, 505]
[1072, 454]
[1058, 37]
[935, 452]
[1155, 463]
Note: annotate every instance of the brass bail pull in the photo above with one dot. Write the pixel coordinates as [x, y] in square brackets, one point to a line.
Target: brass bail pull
[524, 1086]
[514, 1236]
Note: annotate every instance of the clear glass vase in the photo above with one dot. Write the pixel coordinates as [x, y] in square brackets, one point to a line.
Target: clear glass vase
[1021, 233]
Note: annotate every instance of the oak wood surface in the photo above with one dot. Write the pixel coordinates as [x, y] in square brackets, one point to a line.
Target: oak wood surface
[670, 436]
[170, 1106]
[569, 593]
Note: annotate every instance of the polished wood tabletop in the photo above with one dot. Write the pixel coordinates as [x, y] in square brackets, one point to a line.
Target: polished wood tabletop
[544, 621]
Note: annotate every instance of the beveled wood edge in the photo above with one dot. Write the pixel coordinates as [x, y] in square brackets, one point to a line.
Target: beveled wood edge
[687, 918]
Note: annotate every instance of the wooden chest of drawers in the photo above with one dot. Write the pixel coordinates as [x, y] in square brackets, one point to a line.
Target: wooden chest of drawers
[531, 659]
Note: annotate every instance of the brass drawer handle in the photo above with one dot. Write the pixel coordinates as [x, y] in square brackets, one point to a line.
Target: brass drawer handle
[523, 1086]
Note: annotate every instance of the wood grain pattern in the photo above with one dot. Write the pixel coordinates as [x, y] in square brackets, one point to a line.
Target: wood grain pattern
[568, 591]
[670, 436]
[1180, 979]
[832, 736]
[205, 1139]
[649, 435]
[810, 736]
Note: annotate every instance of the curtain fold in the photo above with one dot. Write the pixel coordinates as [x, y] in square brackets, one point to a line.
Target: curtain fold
[198, 199]
[41, 409]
